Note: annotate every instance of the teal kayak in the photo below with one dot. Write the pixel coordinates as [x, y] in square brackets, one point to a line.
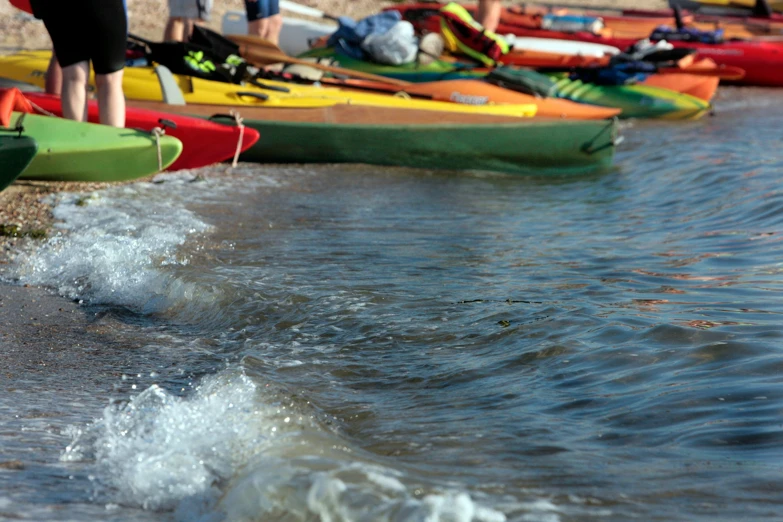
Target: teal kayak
[76, 151]
[16, 153]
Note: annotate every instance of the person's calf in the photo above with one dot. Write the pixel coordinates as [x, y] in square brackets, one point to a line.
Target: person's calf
[74, 91]
[175, 30]
[274, 26]
[111, 99]
[258, 28]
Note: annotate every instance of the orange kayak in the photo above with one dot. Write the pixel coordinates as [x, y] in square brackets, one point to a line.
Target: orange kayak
[479, 93]
[703, 87]
[699, 79]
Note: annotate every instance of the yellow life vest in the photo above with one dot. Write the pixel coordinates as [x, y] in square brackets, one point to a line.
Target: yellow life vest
[466, 36]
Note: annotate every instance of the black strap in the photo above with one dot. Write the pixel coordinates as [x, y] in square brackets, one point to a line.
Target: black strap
[257, 95]
[762, 9]
[678, 18]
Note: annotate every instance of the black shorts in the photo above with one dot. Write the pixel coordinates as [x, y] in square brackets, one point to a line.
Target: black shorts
[88, 30]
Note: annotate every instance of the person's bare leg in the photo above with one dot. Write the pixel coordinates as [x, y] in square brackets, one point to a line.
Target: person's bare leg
[188, 30]
[54, 77]
[175, 30]
[489, 14]
[258, 27]
[273, 28]
[111, 100]
[74, 91]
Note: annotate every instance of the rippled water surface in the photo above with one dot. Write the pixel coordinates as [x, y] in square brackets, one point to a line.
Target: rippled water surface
[358, 343]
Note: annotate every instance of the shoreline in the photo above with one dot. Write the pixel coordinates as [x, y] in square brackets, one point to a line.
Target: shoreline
[23, 214]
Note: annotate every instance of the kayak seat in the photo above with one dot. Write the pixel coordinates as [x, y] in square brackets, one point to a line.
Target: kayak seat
[171, 92]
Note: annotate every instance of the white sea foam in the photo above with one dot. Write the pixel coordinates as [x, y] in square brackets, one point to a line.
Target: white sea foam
[116, 242]
[159, 449]
[236, 450]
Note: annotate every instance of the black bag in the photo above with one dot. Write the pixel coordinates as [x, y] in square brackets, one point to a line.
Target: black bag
[522, 80]
[189, 59]
[219, 45]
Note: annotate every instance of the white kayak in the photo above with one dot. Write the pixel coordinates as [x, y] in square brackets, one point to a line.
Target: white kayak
[569, 47]
[295, 36]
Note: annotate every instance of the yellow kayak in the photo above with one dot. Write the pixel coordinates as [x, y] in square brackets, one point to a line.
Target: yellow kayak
[142, 83]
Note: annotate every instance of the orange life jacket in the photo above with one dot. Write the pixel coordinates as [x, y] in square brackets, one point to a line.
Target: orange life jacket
[12, 100]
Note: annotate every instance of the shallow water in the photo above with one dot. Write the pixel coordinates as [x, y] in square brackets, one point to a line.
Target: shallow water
[358, 343]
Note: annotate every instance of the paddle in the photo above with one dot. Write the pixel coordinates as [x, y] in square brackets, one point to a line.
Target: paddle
[385, 89]
[263, 52]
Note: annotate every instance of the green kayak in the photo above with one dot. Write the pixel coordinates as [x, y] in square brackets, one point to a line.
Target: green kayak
[16, 153]
[525, 148]
[636, 101]
[76, 151]
[425, 139]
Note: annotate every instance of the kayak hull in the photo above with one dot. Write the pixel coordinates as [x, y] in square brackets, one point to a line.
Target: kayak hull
[409, 138]
[76, 151]
[431, 146]
[16, 153]
[715, 15]
[204, 143]
[478, 92]
[702, 87]
[635, 101]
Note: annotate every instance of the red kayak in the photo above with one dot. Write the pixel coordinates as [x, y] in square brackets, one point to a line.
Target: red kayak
[762, 61]
[204, 142]
[708, 17]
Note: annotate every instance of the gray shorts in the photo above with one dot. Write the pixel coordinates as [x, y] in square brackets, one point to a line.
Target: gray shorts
[196, 9]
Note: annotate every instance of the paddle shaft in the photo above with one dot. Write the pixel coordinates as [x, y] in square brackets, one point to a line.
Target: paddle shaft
[379, 88]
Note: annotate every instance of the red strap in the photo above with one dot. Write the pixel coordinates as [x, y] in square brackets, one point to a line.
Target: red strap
[12, 100]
